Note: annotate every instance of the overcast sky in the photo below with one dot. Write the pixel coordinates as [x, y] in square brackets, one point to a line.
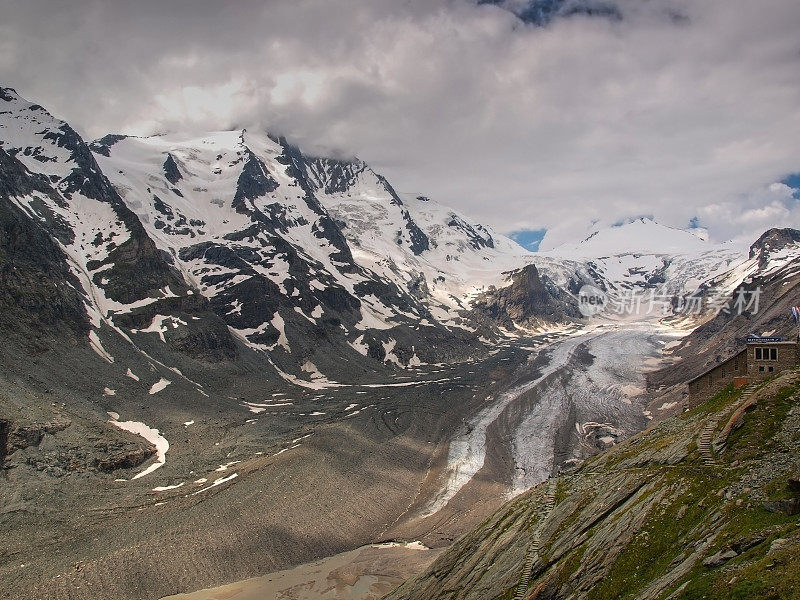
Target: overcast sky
[670, 108]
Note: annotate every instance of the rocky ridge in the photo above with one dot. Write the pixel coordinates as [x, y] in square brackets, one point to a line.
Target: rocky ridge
[653, 517]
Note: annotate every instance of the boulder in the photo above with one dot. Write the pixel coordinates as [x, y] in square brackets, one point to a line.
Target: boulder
[788, 507]
[794, 483]
[778, 545]
[720, 558]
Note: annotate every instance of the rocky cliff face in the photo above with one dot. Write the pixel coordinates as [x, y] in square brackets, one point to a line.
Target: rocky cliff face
[704, 505]
[530, 301]
[38, 293]
[773, 242]
[55, 192]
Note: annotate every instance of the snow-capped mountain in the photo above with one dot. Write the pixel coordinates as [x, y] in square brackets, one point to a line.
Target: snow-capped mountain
[116, 269]
[664, 271]
[341, 214]
[639, 236]
[196, 241]
[286, 245]
[212, 244]
[643, 254]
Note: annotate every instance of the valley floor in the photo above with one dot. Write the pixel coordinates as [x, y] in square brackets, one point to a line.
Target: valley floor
[308, 477]
[367, 573]
[401, 470]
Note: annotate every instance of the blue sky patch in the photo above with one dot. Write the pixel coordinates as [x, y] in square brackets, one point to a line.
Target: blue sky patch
[530, 239]
[793, 181]
[542, 12]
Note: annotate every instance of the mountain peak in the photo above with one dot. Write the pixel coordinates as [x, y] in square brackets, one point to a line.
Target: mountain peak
[21, 104]
[639, 236]
[772, 242]
[775, 239]
[8, 94]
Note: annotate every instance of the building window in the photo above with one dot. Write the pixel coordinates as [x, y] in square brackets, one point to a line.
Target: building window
[766, 354]
[771, 369]
[761, 369]
[736, 366]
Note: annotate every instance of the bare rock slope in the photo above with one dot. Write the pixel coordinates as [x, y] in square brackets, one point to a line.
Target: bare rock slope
[704, 505]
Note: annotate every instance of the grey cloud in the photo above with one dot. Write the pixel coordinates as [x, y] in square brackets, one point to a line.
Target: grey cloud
[586, 119]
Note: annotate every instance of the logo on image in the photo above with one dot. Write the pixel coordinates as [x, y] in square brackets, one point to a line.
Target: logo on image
[591, 300]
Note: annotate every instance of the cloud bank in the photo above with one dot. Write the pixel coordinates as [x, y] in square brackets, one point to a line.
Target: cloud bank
[670, 108]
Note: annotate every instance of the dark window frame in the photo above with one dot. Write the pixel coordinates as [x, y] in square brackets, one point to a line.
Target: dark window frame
[766, 354]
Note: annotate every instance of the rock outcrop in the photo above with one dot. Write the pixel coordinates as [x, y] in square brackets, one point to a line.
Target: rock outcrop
[529, 300]
[53, 448]
[772, 241]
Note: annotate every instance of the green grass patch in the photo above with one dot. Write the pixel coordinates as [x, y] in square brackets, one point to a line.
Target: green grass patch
[583, 501]
[664, 537]
[758, 576]
[508, 594]
[761, 425]
[716, 403]
[569, 565]
[753, 574]
[561, 491]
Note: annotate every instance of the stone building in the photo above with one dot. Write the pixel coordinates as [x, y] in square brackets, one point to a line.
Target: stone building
[762, 357]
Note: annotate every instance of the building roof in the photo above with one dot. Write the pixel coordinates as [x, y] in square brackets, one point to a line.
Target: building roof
[750, 341]
[718, 365]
